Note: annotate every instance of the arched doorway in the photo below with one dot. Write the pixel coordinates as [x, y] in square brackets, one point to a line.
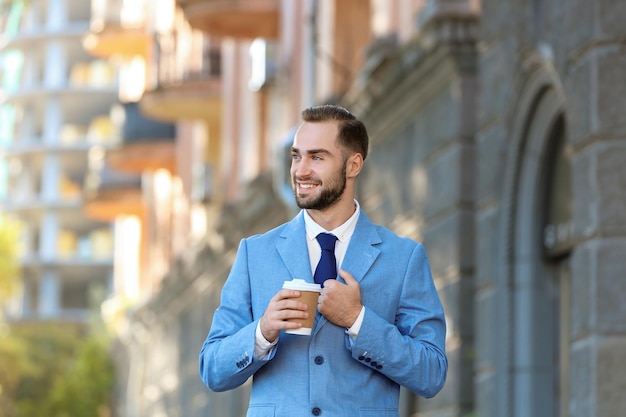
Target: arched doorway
[537, 243]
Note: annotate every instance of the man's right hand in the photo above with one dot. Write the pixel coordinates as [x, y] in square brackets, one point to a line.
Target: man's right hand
[281, 308]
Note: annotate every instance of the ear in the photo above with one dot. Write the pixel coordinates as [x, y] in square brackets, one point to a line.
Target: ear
[354, 165]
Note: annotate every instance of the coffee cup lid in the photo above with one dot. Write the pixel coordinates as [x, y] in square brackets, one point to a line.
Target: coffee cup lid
[302, 285]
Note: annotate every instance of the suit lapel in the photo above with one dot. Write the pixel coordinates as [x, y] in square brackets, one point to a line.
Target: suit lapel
[362, 251]
[361, 254]
[293, 250]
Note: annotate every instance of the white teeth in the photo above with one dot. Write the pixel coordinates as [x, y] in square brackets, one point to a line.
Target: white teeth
[306, 185]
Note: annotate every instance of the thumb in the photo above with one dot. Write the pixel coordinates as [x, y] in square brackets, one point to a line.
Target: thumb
[347, 277]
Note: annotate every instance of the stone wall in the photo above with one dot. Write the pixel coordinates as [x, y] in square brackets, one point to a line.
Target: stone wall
[574, 49]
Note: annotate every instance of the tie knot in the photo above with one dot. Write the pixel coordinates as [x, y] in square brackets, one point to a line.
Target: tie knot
[327, 241]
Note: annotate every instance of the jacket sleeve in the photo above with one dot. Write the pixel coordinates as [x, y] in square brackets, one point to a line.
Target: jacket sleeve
[410, 351]
[227, 355]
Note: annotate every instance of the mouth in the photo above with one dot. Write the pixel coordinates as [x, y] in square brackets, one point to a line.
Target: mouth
[306, 186]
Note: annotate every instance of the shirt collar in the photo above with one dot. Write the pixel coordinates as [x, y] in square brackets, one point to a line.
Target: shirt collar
[343, 232]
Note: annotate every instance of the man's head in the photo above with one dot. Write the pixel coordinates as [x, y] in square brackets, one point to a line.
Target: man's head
[327, 156]
[352, 133]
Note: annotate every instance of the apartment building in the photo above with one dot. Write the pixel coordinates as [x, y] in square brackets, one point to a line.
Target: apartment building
[171, 92]
[55, 105]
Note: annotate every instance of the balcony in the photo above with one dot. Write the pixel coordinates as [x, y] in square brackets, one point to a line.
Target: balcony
[241, 19]
[186, 82]
[118, 28]
[108, 193]
[146, 144]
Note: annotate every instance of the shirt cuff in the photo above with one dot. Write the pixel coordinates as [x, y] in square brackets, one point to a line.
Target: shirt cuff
[353, 331]
[262, 347]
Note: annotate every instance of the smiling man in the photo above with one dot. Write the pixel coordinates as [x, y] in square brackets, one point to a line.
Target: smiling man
[379, 322]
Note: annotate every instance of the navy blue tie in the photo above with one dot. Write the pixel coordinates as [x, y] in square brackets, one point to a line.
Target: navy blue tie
[327, 266]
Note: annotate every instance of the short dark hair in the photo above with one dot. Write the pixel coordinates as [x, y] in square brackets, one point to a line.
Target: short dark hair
[352, 132]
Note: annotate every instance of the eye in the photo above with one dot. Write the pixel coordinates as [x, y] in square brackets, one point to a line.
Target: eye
[317, 158]
[295, 156]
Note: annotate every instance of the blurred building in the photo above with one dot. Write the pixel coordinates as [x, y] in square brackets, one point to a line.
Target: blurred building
[497, 140]
[55, 104]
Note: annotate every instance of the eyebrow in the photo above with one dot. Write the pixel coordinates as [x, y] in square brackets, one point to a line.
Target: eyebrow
[311, 151]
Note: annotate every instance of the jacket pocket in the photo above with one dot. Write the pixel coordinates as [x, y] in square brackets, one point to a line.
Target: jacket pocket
[261, 411]
[378, 412]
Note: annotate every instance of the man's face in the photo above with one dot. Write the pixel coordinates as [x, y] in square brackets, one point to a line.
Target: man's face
[318, 166]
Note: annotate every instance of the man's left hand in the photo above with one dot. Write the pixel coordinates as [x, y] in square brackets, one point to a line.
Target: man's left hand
[341, 303]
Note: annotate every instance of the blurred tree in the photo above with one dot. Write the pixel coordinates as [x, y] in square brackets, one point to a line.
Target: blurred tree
[85, 389]
[9, 270]
[14, 367]
[55, 370]
[46, 353]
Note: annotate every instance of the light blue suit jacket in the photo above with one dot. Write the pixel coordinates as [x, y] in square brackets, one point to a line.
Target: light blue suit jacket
[401, 340]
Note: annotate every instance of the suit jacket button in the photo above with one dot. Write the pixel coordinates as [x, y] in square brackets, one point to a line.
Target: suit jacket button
[361, 357]
[379, 367]
[316, 411]
[374, 363]
[368, 360]
[319, 360]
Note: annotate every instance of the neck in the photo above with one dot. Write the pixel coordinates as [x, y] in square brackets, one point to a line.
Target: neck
[335, 215]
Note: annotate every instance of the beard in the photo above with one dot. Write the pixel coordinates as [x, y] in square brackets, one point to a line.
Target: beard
[331, 191]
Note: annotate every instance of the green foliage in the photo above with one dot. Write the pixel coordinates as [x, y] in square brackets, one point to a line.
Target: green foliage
[9, 270]
[54, 370]
[86, 389]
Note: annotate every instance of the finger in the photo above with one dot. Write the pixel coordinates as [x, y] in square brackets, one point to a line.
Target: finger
[278, 308]
[347, 277]
[284, 315]
[284, 294]
[328, 284]
[290, 304]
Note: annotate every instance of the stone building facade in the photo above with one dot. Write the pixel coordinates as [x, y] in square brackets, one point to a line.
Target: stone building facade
[501, 146]
[498, 140]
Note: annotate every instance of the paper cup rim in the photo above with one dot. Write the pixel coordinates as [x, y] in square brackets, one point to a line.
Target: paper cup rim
[304, 331]
[302, 285]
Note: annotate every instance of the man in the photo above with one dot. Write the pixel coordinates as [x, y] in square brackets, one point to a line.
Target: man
[380, 324]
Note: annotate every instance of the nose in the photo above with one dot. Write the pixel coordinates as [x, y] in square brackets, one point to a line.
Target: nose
[300, 168]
